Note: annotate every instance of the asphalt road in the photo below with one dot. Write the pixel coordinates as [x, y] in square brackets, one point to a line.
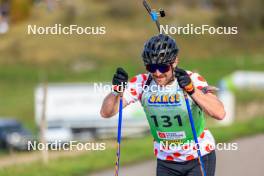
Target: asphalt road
[247, 160]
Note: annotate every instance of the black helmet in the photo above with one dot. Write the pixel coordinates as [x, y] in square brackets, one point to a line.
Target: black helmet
[160, 49]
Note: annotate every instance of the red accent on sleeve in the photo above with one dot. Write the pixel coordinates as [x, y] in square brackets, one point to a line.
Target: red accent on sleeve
[200, 87]
[200, 78]
[133, 80]
[144, 77]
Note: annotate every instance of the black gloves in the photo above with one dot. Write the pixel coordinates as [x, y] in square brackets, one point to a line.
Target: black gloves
[184, 80]
[120, 80]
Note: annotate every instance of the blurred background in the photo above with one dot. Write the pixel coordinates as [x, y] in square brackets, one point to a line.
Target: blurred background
[28, 63]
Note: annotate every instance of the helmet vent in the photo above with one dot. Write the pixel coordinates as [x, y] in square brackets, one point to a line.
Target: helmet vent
[160, 49]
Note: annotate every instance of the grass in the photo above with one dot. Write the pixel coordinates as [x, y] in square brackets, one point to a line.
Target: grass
[239, 129]
[85, 163]
[247, 96]
[133, 150]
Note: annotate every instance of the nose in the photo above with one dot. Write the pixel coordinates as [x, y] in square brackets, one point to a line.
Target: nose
[157, 73]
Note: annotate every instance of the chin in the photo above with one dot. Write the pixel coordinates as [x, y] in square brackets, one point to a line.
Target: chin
[161, 82]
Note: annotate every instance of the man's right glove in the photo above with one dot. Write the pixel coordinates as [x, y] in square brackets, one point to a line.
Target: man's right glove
[184, 80]
[119, 81]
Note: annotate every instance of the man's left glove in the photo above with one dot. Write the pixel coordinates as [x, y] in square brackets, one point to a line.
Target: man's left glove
[184, 80]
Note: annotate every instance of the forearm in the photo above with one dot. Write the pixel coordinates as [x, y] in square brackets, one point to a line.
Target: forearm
[210, 104]
[110, 106]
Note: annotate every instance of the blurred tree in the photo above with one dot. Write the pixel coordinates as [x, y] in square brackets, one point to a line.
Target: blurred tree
[121, 9]
[20, 9]
[242, 13]
[192, 3]
[70, 13]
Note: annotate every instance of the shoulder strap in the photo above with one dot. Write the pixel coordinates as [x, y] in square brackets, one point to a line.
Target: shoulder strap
[148, 80]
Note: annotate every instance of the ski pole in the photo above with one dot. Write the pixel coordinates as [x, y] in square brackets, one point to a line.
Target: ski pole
[154, 15]
[200, 160]
[119, 128]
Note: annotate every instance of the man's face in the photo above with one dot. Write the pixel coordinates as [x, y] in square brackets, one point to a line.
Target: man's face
[163, 79]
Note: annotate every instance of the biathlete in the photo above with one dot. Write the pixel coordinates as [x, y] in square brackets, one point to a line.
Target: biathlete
[160, 92]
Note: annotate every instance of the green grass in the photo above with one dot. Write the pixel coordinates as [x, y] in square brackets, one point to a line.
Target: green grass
[133, 150]
[247, 96]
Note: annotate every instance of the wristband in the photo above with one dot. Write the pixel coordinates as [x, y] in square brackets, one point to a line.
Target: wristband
[189, 89]
[115, 93]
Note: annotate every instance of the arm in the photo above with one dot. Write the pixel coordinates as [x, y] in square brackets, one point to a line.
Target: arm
[110, 105]
[210, 104]
[207, 101]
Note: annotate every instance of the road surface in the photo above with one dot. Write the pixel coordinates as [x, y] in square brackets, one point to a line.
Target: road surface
[247, 160]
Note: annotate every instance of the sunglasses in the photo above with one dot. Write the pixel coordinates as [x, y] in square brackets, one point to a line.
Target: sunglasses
[163, 68]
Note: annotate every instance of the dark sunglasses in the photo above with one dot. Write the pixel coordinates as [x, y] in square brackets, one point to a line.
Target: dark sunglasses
[163, 68]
